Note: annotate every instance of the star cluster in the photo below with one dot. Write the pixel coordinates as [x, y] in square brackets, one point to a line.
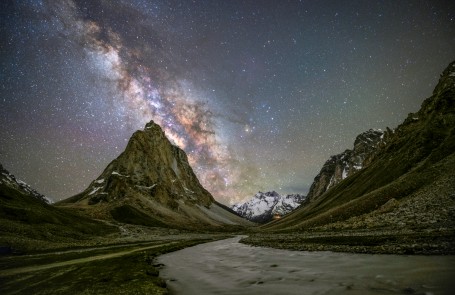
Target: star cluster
[258, 93]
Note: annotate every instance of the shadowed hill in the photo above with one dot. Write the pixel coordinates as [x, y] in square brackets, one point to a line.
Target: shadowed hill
[29, 223]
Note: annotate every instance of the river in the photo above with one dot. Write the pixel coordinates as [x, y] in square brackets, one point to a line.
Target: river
[229, 267]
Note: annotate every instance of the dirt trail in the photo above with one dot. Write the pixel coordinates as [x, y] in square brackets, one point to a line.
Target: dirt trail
[15, 271]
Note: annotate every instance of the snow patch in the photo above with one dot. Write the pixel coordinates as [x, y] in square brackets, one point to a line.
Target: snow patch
[358, 167]
[344, 174]
[94, 190]
[330, 182]
[116, 173]
[21, 182]
[146, 187]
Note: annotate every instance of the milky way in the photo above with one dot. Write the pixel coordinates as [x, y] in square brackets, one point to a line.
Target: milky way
[143, 93]
[258, 93]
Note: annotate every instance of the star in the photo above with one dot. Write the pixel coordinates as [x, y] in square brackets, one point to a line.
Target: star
[258, 95]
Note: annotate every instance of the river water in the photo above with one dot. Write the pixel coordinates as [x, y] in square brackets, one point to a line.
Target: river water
[228, 267]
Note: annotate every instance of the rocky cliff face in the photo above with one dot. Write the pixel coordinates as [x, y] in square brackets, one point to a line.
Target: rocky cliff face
[7, 179]
[263, 207]
[153, 178]
[343, 165]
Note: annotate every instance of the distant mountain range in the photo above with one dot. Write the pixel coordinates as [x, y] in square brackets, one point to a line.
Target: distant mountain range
[264, 207]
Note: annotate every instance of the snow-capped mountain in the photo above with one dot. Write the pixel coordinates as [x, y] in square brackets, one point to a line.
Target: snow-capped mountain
[263, 207]
[9, 180]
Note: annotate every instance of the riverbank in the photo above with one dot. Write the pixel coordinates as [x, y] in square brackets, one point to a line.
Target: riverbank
[408, 242]
[128, 269]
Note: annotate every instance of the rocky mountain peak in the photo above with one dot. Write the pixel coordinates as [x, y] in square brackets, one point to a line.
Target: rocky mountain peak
[150, 166]
[364, 141]
[261, 195]
[440, 104]
[153, 128]
[341, 166]
[443, 98]
[264, 206]
[152, 178]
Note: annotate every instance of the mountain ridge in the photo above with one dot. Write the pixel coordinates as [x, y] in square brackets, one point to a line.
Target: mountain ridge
[264, 207]
[345, 164]
[416, 156]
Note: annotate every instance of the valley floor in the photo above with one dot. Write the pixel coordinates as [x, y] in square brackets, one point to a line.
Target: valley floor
[115, 269]
[128, 264]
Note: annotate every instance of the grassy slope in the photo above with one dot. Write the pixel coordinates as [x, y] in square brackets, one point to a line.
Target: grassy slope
[29, 225]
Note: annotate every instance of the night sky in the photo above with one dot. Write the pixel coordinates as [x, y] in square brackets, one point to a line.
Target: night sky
[258, 93]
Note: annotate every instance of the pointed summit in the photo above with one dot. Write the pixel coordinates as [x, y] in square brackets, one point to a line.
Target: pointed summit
[152, 177]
